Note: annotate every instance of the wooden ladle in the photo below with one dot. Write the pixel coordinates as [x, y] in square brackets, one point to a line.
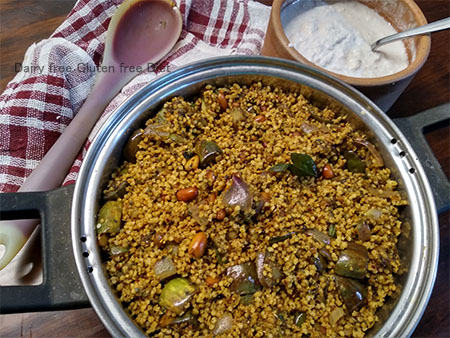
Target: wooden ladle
[141, 32]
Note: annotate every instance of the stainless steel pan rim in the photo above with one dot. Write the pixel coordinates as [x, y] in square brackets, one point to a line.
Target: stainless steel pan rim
[104, 152]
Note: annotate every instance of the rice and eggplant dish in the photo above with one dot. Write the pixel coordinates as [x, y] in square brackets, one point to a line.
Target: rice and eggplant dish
[248, 212]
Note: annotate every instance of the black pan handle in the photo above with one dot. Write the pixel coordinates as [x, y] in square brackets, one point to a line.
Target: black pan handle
[413, 128]
[61, 288]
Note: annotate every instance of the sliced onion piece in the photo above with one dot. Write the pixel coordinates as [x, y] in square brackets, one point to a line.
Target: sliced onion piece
[374, 214]
[263, 260]
[364, 231]
[223, 324]
[237, 114]
[245, 278]
[335, 315]
[383, 193]
[319, 236]
[156, 130]
[195, 213]
[238, 194]
[165, 268]
[308, 128]
[377, 156]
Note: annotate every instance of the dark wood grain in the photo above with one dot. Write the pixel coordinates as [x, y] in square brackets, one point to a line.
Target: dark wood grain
[75, 323]
[27, 21]
[23, 23]
[430, 86]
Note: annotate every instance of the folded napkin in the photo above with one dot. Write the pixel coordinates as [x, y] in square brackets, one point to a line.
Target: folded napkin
[58, 73]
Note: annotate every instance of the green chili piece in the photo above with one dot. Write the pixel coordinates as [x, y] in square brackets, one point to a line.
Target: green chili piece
[332, 230]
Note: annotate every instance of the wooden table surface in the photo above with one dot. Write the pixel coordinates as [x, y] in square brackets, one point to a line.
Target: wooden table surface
[27, 21]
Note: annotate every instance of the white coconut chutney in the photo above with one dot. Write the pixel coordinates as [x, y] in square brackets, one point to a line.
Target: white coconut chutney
[337, 37]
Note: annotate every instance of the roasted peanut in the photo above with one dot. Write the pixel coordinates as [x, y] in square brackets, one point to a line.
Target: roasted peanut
[260, 118]
[166, 319]
[265, 196]
[211, 281]
[198, 245]
[210, 176]
[222, 101]
[327, 171]
[242, 155]
[220, 215]
[187, 194]
[231, 235]
[158, 240]
[192, 163]
[212, 197]
[103, 240]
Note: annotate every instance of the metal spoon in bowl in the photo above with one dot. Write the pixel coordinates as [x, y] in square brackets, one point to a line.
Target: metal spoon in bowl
[141, 32]
[429, 28]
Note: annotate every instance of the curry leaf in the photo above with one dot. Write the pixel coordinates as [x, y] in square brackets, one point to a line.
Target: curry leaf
[303, 165]
[354, 163]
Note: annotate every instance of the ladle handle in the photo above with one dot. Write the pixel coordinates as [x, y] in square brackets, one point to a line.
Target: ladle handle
[425, 29]
[53, 168]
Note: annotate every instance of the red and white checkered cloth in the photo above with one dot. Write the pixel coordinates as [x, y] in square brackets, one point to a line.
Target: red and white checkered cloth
[43, 98]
